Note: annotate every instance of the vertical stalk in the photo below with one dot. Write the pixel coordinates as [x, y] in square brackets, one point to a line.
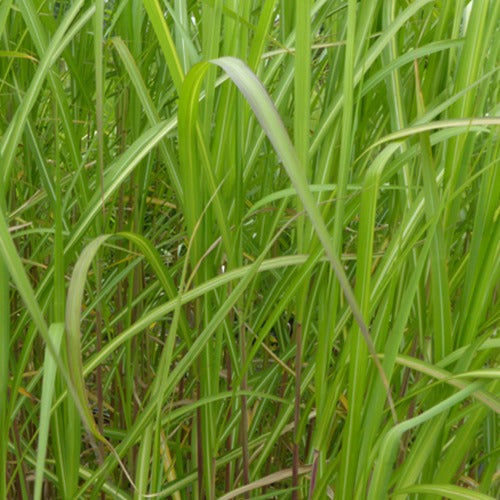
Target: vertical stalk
[302, 86]
[302, 89]
[440, 293]
[4, 368]
[346, 479]
[99, 83]
[65, 438]
[244, 412]
[296, 417]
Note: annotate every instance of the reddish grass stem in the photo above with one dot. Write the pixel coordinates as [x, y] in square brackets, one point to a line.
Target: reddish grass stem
[296, 459]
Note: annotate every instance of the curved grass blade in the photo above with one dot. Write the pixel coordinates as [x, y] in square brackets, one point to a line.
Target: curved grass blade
[444, 491]
[74, 307]
[384, 465]
[270, 120]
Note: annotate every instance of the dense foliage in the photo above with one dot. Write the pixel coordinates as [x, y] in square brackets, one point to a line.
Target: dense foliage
[249, 248]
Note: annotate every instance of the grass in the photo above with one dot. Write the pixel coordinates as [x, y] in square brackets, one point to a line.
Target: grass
[249, 249]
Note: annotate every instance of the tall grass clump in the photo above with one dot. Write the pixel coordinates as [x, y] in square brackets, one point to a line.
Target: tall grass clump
[249, 249]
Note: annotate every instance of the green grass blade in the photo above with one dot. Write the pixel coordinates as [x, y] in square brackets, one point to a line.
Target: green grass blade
[56, 332]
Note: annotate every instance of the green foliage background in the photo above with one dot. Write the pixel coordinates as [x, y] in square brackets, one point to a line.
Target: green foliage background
[249, 248]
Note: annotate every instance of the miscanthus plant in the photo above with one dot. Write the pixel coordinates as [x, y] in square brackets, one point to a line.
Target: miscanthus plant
[249, 249]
